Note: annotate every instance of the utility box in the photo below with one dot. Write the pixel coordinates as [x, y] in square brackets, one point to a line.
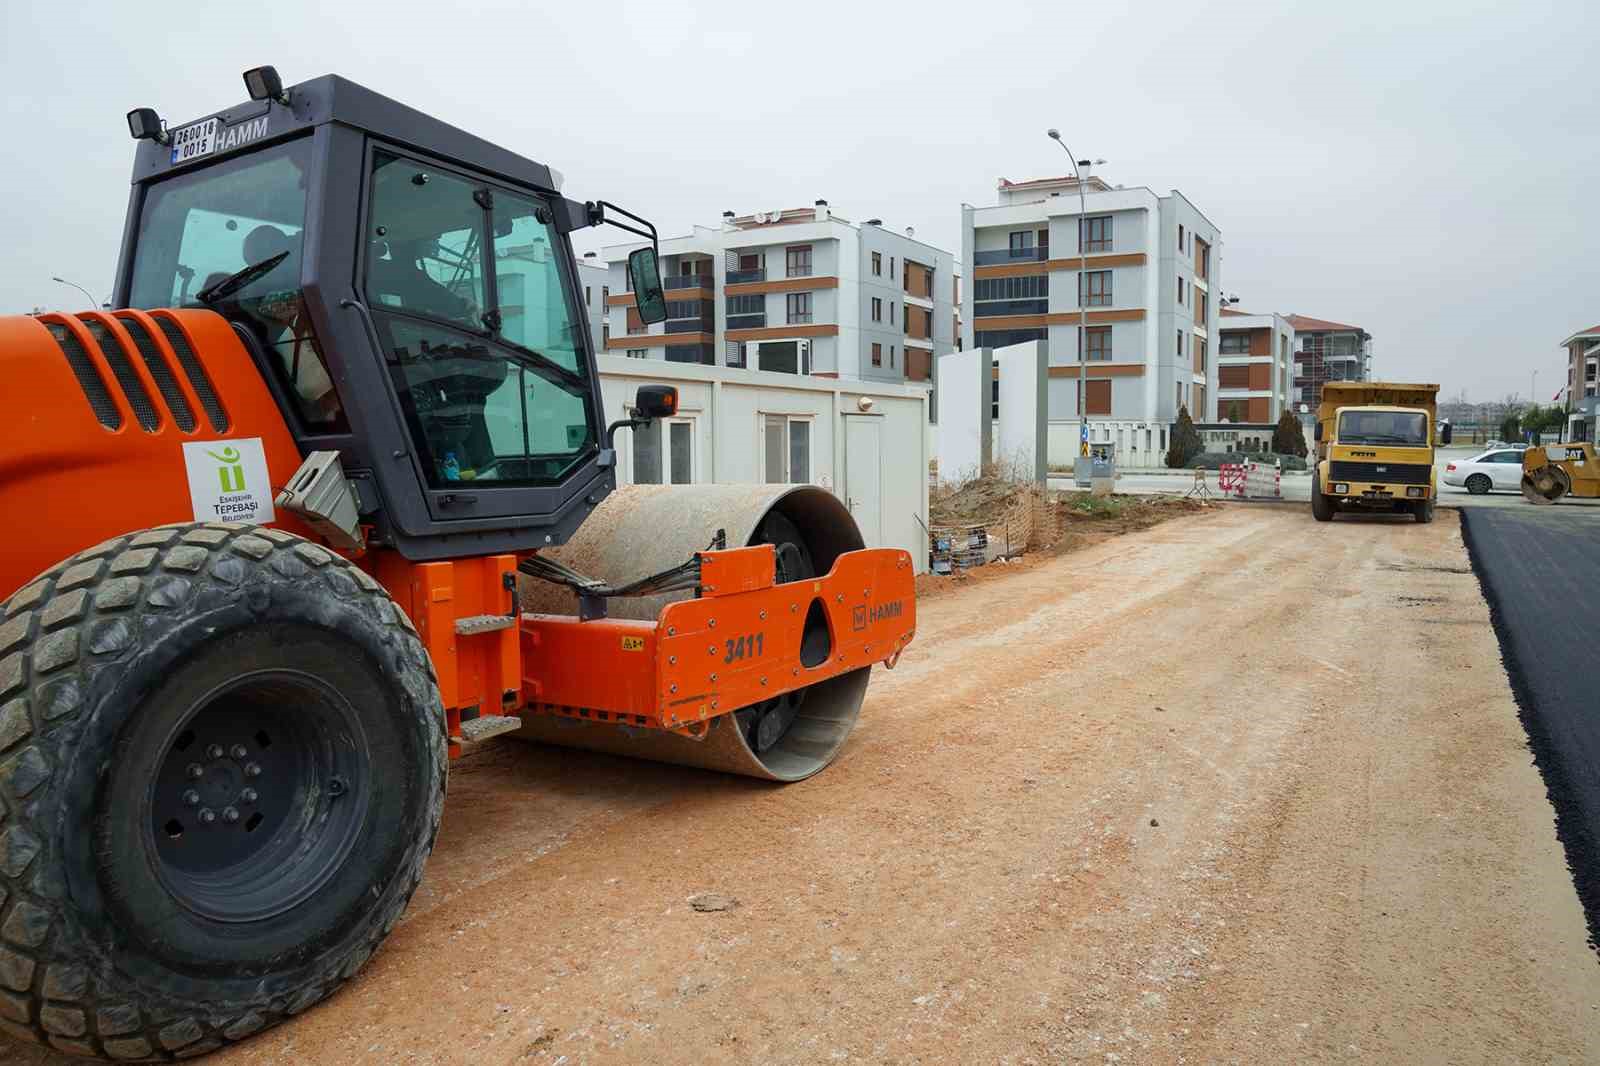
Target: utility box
[1099, 464]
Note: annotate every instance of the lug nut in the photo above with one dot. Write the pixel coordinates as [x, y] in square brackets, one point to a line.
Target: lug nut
[230, 815]
[207, 815]
[191, 798]
[336, 786]
[194, 771]
[214, 751]
[238, 751]
[247, 796]
[252, 769]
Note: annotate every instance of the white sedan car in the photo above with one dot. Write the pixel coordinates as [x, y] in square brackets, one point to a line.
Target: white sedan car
[1497, 468]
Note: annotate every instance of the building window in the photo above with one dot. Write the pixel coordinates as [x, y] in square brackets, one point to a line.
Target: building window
[1001, 338]
[786, 449]
[891, 312]
[1022, 244]
[637, 353]
[1200, 356]
[1180, 288]
[877, 354]
[635, 323]
[877, 309]
[1097, 397]
[877, 264]
[799, 308]
[1099, 343]
[891, 357]
[664, 448]
[605, 294]
[797, 261]
[1096, 234]
[1180, 237]
[735, 353]
[588, 296]
[605, 334]
[1096, 288]
[1234, 344]
[1180, 344]
[1027, 295]
[891, 266]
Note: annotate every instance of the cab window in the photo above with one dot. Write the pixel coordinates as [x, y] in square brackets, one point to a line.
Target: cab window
[509, 405]
[203, 225]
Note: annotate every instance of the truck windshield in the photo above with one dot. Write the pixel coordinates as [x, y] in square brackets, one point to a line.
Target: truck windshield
[202, 225]
[1383, 427]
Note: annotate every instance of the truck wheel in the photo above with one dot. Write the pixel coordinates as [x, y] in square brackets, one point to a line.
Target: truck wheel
[1423, 512]
[222, 755]
[1321, 506]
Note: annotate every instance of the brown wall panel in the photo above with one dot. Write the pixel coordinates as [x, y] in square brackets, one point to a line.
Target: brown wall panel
[810, 284]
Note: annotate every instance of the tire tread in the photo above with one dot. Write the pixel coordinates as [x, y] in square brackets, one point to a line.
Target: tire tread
[50, 653]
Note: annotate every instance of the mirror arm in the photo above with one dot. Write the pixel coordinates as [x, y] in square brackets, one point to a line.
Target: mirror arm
[598, 215]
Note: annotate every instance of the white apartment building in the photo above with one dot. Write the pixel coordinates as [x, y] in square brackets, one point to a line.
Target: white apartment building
[1255, 366]
[1150, 294]
[594, 284]
[795, 291]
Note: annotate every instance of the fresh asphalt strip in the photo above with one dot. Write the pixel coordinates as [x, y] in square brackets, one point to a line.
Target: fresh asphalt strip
[1540, 572]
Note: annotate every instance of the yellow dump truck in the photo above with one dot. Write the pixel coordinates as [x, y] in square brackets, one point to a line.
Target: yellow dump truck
[1375, 443]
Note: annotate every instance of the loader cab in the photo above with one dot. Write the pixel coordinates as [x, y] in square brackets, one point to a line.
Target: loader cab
[407, 292]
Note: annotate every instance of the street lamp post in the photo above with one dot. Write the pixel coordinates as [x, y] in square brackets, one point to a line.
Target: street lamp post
[1083, 311]
[93, 303]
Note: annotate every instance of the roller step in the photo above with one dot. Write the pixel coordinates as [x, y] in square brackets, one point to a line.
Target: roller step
[472, 625]
[486, 726]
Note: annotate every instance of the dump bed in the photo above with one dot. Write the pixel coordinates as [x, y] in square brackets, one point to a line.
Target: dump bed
[1337, 394]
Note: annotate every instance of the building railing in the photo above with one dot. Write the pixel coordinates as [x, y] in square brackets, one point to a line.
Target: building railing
[1011, 255]
[1010, 307]
[741, 277]
[755, 321]
[689, 325]
[687, 281]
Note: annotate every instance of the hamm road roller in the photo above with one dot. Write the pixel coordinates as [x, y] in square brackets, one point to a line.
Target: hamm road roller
[332, 494]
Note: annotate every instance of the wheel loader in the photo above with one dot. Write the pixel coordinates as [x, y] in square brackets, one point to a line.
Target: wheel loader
[1556, 470]
[330, 495]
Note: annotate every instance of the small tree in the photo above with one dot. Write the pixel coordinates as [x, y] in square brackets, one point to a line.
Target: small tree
[1287, 436]
[1185, 444]
[1511, 428]
[1233, 410]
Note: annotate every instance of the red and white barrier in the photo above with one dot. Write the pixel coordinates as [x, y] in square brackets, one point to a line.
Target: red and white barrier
[1251, 481]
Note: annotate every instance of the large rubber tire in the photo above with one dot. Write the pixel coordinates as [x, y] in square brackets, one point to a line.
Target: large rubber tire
[1321, 506]
[1479, 484]
[115, 669]
[1423, 512]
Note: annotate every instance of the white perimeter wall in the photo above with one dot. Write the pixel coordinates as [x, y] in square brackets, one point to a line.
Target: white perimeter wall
[964, 406]
[1019, 437]
[726, 408]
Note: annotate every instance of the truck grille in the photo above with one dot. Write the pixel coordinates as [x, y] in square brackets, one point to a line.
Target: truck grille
[89, 379]
[164, 363]
[1380, 473]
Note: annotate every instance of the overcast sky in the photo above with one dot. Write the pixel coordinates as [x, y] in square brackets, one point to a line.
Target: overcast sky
[1430, 171]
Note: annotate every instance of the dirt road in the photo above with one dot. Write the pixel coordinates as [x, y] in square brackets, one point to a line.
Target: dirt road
[1243, 787]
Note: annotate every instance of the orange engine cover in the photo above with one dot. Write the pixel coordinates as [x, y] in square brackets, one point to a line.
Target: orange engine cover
[101, 406]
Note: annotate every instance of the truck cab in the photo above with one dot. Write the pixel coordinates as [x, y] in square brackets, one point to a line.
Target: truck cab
[1375, 446]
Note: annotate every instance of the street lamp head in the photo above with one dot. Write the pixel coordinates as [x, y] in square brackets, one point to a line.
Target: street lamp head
[1054, 135]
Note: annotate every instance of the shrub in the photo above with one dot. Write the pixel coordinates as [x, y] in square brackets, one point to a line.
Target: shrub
[1287, 436]
[1185, 443]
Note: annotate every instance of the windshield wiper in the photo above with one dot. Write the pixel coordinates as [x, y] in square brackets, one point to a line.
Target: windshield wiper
[239, 279]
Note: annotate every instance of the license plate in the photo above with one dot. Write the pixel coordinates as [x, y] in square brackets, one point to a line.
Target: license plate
[192, 142]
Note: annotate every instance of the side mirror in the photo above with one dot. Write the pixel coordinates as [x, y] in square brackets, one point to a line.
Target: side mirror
[655, 401]
[1316, 434]
[648, 296]
[1446, 432]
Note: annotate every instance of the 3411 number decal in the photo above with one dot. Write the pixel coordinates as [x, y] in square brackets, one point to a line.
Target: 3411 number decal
[746, 647]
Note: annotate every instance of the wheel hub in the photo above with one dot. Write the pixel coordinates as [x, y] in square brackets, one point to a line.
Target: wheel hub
[256, 799]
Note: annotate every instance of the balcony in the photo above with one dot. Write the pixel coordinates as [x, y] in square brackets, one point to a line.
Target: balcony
[1010, 255]
[755, 321]
[687, 281]
[1010, 307]
[690, 325]
[742, 277]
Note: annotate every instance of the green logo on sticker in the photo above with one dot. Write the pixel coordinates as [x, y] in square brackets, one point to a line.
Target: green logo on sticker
[229, 471]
